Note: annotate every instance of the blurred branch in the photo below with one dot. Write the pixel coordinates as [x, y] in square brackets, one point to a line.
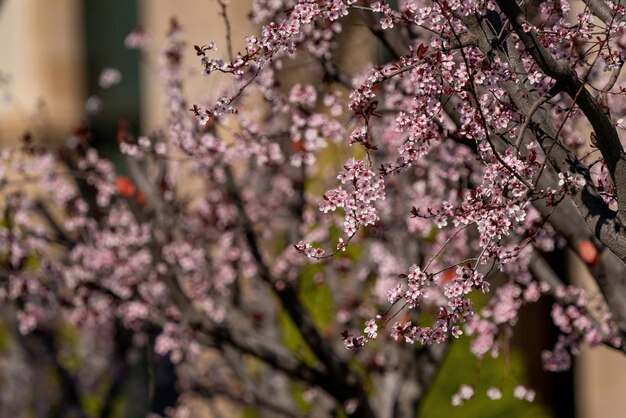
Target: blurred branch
[600, 9]
[541, 270]
[417, 378]
[344, 383]
[70, 403]
[247, 398]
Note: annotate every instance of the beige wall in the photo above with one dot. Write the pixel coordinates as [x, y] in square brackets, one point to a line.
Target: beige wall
[601, 371]
[41, 48]
[601, 383]
[201, 24]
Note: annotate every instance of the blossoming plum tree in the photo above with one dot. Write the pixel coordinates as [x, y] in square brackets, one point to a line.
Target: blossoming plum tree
[492, 136]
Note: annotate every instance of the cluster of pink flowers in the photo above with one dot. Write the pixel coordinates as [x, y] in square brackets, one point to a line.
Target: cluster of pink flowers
[578, 325]
[362, 189]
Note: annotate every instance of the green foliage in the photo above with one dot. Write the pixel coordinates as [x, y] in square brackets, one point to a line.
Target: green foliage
[317, 298]
[32, 262]
[67, 342]
[250, 412]
[458, 369]
[4, 337]
[92, 404]
[298, 396]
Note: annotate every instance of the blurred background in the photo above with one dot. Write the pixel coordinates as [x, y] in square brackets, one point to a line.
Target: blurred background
[52, 56]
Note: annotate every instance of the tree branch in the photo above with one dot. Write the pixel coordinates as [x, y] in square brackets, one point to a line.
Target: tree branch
[346, 384]
[600, 9]
[542, 271]
[607, 137]
[599, 218]
[417, 379]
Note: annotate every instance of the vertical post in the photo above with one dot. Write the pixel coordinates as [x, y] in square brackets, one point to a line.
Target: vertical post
[107, 23]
